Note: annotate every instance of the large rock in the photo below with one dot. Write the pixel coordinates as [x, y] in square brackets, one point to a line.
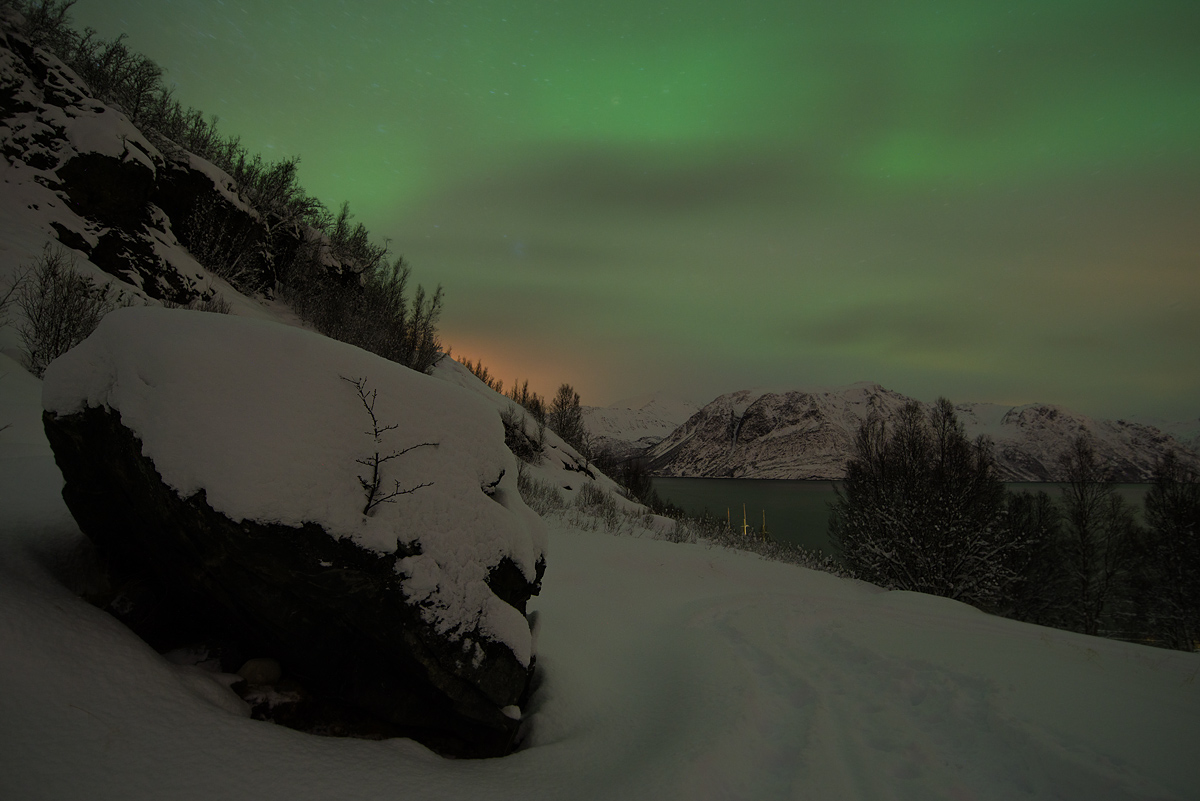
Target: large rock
[414, 632]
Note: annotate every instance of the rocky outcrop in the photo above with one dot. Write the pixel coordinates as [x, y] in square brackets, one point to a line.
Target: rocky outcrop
[334, 613]
[809, 435]
[92, 181]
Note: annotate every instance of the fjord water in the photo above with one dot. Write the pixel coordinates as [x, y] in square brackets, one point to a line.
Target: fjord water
[798, 511]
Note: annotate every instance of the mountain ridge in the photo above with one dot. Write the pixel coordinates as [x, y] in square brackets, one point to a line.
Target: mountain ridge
[809, 434]
[628, 427]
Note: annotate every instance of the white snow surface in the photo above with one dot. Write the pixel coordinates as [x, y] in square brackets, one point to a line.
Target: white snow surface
[258, 415]
[669, 672]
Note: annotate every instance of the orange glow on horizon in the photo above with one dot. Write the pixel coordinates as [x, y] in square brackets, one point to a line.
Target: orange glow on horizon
[498, 359]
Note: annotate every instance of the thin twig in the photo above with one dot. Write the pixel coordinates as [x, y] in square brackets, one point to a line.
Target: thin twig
[371, 486]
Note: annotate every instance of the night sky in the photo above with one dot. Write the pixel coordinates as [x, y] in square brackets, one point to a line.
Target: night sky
[988, 201]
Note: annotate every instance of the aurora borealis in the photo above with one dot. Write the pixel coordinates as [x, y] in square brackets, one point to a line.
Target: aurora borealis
[979, 200]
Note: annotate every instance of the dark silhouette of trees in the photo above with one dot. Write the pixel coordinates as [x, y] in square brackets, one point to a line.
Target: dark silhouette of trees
[1038, 592]
[1168, 582]
[480, 371]
[533, 403]
[922, 509]
[1098, 539]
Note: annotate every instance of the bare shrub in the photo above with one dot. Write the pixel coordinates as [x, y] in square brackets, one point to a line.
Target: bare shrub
[539, 496]
[10, 295]
[59, 307]
[218, 240]
[212, 302]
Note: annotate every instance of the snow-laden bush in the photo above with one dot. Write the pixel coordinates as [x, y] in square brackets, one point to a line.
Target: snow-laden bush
[525, 446]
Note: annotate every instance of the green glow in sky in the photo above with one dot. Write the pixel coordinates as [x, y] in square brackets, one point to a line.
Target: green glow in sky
[992, 201]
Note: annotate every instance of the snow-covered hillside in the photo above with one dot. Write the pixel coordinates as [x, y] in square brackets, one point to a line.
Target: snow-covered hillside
[809, 434]
[77, 174]
[667, 671]
[630, 426]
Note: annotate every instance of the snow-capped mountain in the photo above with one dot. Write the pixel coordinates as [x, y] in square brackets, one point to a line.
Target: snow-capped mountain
[808, 434]
[1187, 432]
[630, 426]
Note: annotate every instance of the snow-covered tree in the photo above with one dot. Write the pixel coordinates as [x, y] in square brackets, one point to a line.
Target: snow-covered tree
[922, 509]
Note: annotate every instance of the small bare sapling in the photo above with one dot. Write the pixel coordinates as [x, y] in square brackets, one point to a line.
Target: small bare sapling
[371, 485]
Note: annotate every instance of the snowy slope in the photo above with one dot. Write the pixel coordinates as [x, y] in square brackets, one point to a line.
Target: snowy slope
[561, 466]
[629, 426]
[1185, 431]
[809, 434]
[668, 672]
[112, 226]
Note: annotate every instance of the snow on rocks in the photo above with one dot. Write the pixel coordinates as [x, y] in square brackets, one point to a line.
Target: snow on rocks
[78, 171]
[264, 425]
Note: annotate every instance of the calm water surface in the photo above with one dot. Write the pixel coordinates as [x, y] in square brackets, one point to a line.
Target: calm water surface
[797, 511]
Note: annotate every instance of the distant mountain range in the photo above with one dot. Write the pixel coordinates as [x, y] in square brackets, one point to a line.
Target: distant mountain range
[628, 427]
[808, 434]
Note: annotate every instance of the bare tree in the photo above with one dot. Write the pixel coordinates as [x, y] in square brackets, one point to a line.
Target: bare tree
[566, 418]
[372, 487]
[922, 509]
[1099, 534]
[1169, 582]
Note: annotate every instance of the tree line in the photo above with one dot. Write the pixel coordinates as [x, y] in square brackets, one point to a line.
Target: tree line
[922, 508]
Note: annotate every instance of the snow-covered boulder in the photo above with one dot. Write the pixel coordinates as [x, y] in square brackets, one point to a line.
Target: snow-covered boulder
[230, 460]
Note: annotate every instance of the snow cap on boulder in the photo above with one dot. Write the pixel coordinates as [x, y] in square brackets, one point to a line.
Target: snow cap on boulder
[263, 418]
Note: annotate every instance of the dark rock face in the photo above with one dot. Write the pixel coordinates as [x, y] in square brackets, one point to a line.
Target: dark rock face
[113, 191]
[333, 613]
